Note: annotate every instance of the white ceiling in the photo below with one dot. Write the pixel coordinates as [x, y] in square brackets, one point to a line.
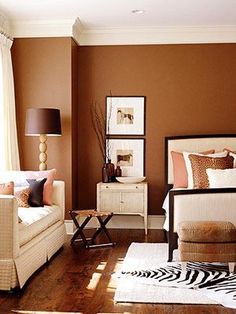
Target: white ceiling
[117, 13]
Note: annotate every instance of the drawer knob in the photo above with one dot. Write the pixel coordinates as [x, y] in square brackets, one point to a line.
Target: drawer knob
[122, 202]
[107, 186]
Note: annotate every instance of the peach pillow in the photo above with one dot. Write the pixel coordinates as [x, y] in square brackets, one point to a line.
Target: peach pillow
[229, 150]
[47, 190]
[7, 188]
[180, 170]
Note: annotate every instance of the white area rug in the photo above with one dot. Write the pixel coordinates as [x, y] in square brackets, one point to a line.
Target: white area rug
[146, 256]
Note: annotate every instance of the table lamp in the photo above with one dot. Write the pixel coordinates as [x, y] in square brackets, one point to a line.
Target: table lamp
[43, 122]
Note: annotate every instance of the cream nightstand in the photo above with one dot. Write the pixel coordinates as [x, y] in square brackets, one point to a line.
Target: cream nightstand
[123, 199]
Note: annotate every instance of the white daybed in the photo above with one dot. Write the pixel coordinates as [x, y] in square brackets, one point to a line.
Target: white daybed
[26, 246]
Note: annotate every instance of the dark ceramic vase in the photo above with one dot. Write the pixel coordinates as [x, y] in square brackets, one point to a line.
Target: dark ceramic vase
[104, 174]
[110, 171]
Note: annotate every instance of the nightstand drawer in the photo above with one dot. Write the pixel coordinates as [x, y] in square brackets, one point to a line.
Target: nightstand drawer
[121, 187]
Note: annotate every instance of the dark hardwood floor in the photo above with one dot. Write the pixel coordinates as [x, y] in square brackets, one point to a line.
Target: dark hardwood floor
[79, 280]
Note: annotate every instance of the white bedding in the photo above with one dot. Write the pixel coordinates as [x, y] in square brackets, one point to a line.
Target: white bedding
[165, 206]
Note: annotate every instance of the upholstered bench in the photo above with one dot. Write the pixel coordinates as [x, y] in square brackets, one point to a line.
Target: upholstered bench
[207, 241]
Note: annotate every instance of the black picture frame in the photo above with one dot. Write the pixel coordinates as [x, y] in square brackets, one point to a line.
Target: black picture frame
[125, 115]
[129, 154]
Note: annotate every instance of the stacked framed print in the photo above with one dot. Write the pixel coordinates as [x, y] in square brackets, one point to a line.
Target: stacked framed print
[125, 117]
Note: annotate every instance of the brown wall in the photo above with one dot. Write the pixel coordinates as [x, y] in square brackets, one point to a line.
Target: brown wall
[190, 89]
[43, 78]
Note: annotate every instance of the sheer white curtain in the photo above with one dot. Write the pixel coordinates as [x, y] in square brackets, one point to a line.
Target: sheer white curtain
[9, 154]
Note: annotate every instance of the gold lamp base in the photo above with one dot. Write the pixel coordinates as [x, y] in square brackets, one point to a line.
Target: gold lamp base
[43, 150]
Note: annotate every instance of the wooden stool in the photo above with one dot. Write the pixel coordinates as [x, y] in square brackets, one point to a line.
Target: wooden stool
[207, 241]
[102, 217]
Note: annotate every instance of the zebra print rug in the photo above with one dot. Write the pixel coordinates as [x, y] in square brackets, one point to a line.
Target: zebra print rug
[202, 282]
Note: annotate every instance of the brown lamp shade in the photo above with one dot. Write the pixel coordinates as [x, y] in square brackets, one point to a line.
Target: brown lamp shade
[43, 121]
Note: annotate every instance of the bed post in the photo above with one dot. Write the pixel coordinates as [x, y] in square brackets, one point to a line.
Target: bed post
[172, 236]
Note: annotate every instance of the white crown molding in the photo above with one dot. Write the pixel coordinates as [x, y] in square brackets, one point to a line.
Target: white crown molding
[77, 30]
[158, 35]
[44, 28]
[124, 36]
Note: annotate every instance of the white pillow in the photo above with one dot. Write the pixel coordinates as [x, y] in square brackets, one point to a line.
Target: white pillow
[189, 167]
[233, 155]
[221, 178]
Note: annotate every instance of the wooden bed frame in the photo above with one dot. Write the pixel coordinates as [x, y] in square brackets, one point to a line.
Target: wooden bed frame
[225, 140]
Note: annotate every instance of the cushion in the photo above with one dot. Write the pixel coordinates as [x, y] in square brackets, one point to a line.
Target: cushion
[48, 186]
[207, 231]
[201, 163]
[20, 179]
[35, 221]
[231, 153]
[36, 194]
[7, 188]
[234, 156]
[223, 252]
[22, 196]
[229, 150]
[189, 166]
[179, 168]
[219, 178]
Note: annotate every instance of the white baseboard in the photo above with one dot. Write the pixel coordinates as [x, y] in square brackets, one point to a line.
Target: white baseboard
[123, 222]
[69, 226]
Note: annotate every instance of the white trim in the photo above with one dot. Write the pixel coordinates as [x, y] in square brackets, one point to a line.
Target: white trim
[69, 226]
[158, 35]
[45, 28]
[77, 30]
[124, 36]
[123, 222]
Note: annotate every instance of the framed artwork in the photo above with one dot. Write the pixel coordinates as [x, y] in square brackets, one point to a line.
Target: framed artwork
[125, 115]
[128, 154]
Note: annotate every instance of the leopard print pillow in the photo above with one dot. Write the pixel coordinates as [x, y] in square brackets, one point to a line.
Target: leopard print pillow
[22, 197]
[199, 165]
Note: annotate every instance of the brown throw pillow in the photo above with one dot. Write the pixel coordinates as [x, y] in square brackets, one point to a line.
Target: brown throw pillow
[7, 188]
[201, 163]
[22, 196]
